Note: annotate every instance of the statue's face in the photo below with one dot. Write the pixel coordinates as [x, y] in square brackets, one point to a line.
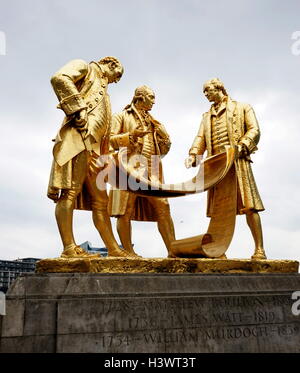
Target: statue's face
[149, 100]
[211, 93]
[114, 73]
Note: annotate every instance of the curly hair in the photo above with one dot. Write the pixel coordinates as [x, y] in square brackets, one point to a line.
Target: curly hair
[217, 83]
[107, 60]
[140, 93]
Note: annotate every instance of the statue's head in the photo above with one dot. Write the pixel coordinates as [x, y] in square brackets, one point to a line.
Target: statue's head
[144, 98]
[112, 69]
[214, 90]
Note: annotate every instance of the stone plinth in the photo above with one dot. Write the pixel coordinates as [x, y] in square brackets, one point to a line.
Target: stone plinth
[166, 265]
[186, 313]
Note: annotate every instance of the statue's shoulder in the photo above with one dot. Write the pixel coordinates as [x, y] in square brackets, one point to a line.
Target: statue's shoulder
[127, 111]
[205, 114]
[78, 61]
[73, 67]
[242, 105]
[77, 64]
[119, 116]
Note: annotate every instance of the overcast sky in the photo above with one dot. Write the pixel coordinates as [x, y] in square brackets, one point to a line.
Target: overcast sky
[172, 46]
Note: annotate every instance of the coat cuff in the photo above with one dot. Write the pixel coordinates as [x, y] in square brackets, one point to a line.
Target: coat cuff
[193, 151]
[164, 140]
[72, 104]
[120, 141]
[249, 143]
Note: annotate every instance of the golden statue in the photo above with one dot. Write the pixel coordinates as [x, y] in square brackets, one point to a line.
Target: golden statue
[229, 133]
[143, 135]
[81, 89]
[231, 123]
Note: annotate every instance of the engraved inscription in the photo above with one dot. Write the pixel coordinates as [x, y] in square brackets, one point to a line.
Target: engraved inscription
[194, 336]
[189, 321]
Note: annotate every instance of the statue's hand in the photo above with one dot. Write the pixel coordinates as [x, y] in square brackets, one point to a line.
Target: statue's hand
[158, 128]
[138, 133]
[81, 118]
[53, 195]
[190, 161]
[242, 151]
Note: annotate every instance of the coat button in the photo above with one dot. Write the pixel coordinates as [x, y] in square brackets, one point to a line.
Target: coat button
[103, 85]
[96, 99]
[101, 93]
[90, 105]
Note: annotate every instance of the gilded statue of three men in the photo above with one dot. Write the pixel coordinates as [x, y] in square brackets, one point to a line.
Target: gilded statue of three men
[90, 131]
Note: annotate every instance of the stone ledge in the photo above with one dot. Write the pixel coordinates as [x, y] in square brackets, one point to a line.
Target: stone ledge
[165, 265]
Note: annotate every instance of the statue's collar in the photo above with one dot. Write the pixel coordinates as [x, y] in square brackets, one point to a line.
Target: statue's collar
[99, 67]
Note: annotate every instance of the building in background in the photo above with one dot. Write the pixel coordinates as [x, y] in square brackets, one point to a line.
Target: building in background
[11, 269]
[87, 246]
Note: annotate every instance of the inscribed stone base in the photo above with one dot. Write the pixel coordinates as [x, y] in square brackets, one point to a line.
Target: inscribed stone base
[151, 313]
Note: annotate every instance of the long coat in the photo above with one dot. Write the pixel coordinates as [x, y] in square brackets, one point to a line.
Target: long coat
[79, 85]
[243, 128]
[123, 124]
